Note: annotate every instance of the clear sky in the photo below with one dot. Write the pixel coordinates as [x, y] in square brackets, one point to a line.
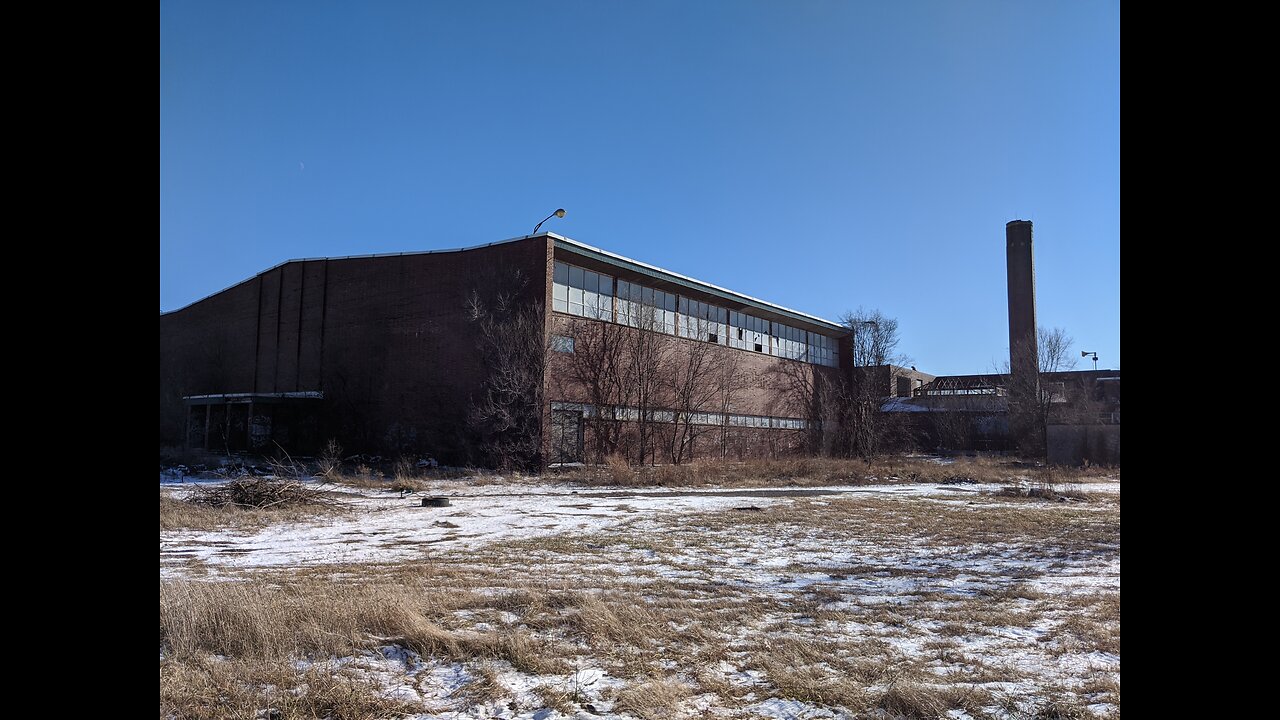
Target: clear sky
[820, 155]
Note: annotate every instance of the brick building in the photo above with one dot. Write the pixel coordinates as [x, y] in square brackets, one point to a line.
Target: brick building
[381, 352]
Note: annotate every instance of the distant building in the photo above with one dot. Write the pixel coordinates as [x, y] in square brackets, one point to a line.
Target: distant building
[971, 412]
[1068, 417]
[386, 354]
[381, 352]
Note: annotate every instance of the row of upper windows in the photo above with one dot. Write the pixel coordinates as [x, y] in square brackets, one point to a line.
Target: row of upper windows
[582, 292]
[633, 414]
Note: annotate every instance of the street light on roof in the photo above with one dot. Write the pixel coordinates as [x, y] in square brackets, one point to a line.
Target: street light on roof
[558, 213]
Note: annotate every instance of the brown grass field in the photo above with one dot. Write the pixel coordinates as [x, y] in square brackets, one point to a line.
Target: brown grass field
[894, 597]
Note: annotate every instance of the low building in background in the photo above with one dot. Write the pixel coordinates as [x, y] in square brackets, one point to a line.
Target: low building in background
[1079, 411]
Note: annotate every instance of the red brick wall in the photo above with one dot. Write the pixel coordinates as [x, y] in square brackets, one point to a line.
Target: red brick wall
[758, 397]
[387, 339]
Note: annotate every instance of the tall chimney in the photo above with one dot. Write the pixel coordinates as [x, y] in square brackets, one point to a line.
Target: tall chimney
[1024, 366]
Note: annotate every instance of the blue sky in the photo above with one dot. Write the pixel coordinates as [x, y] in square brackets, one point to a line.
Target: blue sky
[820, 155]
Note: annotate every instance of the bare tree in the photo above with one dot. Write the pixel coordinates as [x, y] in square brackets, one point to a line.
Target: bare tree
[874, 338]
[596, 371]
[1041, 392]
[700, 380]
[647, 354]
[831, 414]
[731, 380]
[802, 390]
[1055, 351]
[512, 341]
[645, 385]
[874, 341]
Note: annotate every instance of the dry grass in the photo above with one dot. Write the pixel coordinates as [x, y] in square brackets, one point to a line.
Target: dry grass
[403, 475]
[315, 618]
[178, 514]
[181, 515]
[484, 686]
[404, 484]
[419, 480]
[1099, 689]
[677, 605]
[653, 698]
[1082, 634]
[557, 698]
[216, 689]
[799, 670]
[914, 700]
[808, 471]
[973, 528]
[620, 472]
[365, 480]
[1047, 493]
[1060, 708]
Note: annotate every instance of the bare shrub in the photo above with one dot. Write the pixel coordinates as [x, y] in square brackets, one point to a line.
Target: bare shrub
[404, 484]
[404, 468]
[329, 464]
[405, 479]
[672, 475]
[620, 472]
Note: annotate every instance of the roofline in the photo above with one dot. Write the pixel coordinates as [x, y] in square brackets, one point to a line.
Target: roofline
[662, 274]
[568, 244]
[352, 257]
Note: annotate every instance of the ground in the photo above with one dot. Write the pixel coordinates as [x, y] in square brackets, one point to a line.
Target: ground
[531, 599]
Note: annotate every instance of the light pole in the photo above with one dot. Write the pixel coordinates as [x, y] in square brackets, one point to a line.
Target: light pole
[1085, 353]
[558, 213]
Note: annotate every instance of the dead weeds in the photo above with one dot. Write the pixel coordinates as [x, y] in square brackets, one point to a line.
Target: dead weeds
[215, 689]
[875, 604]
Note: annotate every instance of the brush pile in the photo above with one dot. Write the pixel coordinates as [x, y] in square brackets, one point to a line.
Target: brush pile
[260, 492]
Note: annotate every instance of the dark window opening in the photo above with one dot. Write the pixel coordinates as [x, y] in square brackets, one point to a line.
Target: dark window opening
[759, 347]
[712, 337]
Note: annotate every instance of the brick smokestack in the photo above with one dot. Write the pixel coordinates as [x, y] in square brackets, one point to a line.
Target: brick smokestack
[1024, 365]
